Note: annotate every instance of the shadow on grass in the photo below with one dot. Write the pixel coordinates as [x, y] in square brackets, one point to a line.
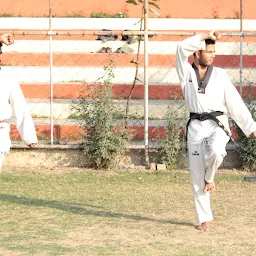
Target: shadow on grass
[72, 208]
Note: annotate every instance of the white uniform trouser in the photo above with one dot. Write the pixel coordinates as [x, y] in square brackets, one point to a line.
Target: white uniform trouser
[206, 150]
[5, 142]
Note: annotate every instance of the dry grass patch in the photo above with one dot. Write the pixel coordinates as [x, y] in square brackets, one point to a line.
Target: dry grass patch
[88, 212]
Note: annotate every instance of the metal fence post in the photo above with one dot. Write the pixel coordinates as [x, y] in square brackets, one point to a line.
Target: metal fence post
[241, 47]
[146, 83]
[51, 64]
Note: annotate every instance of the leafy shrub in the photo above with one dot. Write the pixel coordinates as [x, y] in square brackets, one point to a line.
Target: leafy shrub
[105, 139]
[247, 146]
[171, 143]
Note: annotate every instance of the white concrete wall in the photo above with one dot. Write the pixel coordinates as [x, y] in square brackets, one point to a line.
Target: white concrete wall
[125, 75]
[126, 23]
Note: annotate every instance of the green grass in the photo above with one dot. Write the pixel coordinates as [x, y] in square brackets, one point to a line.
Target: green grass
[86, 212]
[6, 15]
[107, 15]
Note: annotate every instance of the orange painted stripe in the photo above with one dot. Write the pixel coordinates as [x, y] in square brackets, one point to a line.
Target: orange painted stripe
[75, 133]
[120, 60]
[233, 61]
[74, 91]
[83, 60]
[43, 132]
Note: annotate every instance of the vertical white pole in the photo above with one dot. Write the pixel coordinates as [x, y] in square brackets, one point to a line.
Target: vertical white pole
[51, 65]
[146, 83]
[241, 47]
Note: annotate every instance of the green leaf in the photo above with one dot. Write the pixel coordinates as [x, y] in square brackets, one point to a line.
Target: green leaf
[154, 4]
[131, 2]
[134, 61]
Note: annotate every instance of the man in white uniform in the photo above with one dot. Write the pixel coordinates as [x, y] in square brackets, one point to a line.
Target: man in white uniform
[207, 89]
[12, 103]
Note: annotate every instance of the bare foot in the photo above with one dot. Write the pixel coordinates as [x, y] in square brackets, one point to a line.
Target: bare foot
[209, 187]
[205, 226]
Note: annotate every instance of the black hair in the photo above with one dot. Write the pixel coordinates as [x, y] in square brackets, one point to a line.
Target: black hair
[209, 41]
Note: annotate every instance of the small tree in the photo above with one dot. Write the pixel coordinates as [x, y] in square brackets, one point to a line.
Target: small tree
[170, 142]
[105, 138]
[247, 146]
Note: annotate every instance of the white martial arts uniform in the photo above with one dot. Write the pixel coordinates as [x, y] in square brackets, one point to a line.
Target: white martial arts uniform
[13, 104]
[206, 140]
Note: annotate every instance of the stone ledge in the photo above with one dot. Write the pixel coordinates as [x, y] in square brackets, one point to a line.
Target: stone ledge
[56, 156]
[138, 144]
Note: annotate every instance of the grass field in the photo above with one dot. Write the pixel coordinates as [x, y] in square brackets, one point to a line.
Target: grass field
[86, 212]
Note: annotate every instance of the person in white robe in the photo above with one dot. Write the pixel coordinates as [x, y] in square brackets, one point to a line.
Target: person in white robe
[13, 104]
[208, 89]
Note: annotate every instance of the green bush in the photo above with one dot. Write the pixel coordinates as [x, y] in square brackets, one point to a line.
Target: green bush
[247, 146]
[105, 138]
[170, 145]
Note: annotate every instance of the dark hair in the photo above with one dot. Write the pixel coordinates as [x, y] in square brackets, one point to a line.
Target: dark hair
[209, 41]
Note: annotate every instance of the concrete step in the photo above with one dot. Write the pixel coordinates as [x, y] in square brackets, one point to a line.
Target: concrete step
[63, 109]
[163, 24]
[92, 46]
[61, 156]
[64, 91]
[122, 75]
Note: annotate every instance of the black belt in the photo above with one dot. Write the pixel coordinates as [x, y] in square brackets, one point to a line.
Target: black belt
[206, 116]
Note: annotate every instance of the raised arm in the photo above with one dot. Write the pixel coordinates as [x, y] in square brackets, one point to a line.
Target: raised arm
[7, 39]
[214, 35]
[187, 47]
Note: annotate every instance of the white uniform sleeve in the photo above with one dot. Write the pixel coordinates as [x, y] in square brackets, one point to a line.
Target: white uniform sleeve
[23, 119]
[186, 48]
[237, 108]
